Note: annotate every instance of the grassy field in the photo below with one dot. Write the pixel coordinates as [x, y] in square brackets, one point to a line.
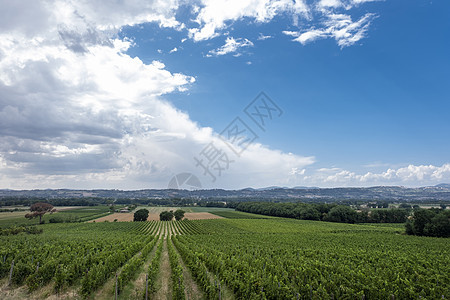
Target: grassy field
[190, 209]
[231, 214]
[63, 214]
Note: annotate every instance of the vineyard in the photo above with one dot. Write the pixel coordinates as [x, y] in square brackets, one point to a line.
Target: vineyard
[240, 257]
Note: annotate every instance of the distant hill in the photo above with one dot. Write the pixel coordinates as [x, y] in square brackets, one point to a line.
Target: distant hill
[443, 185]
[436, 193]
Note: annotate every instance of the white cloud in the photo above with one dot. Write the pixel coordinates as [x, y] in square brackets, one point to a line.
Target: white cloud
[329, 3]
[319, 19]
[338, 26]
[263, 37]
[214, 15]
[410, 175]
[76, 111]
[231, 45]
[356, 2]
[173, 50]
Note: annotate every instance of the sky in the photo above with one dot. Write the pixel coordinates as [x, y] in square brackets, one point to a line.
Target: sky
[231, 93]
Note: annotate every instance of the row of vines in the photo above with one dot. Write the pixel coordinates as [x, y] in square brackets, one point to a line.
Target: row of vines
[68, 254]
[287, 259]
[87, 255]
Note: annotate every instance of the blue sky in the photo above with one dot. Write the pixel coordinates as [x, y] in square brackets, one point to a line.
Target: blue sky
[137, 91]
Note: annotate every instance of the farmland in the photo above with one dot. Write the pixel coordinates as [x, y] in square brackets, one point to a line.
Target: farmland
[128, 217]
[62, 214]
[236, 257]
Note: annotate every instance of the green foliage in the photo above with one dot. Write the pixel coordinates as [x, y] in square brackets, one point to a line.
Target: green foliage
[81, 214]
[229, 214]
[405, 206]
[177, 272]
[179, 214]
[325, 212]
[429, 222]
[128, 271]
[66, 254]
[153, 268]
[198, 268]
[341, 214]
[141, 215]
[291, 259]
[166, 216]
[16, 230]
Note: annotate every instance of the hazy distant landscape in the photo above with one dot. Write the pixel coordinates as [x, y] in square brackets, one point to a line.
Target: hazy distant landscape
[439, 192]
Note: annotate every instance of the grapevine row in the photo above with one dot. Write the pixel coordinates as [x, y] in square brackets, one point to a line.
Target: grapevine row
[177, 272]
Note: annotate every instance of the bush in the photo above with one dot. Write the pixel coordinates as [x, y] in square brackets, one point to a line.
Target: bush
[56, 220]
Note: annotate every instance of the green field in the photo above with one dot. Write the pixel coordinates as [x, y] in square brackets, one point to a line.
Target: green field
[74, 214]
[189, 209]
[232, 214]
[232, 258]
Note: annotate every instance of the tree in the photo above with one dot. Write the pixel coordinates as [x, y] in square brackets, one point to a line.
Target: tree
[405, 206]
[141, 215]
[39, 209]
[342, 214]
[166, 216]
[439, 225]
[421, 218]
[179, 214]
[429, 222]
[308, 213]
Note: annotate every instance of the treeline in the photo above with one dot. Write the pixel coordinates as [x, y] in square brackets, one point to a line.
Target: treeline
[324, 212]
[28, 201]
[93, 201]
[429, 222]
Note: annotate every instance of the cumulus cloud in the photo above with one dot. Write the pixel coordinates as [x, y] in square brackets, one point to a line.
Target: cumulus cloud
[410, 175]
[231, 45]
[77, 111]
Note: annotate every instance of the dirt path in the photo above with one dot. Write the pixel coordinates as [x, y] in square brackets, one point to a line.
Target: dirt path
[164, 283]
[136, 288]
[45, 292]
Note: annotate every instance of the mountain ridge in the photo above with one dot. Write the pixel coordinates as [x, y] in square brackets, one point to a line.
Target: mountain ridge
[431, 193]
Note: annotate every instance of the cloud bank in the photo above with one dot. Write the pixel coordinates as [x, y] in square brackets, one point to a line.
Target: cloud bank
[77, 111]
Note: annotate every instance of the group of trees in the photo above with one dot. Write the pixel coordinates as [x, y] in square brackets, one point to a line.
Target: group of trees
[142, 215]
[169, 215]
[324, 212]
[378, 204]
[429, 222]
